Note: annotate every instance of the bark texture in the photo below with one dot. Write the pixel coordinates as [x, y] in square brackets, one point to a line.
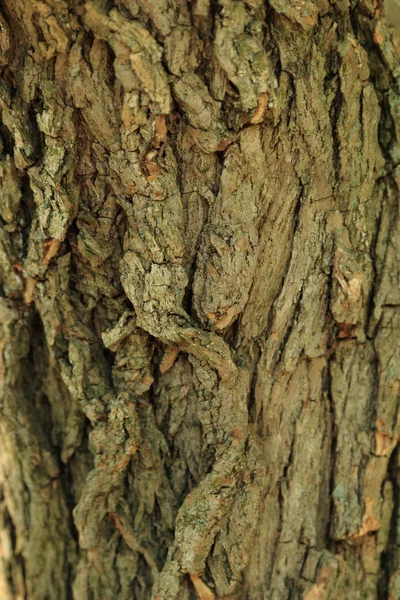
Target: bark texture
[199, 316]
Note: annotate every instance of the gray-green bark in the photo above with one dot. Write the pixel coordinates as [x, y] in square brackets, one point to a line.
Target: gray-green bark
[199, 315]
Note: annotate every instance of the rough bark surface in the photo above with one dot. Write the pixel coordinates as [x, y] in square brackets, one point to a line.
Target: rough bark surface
[199, 316]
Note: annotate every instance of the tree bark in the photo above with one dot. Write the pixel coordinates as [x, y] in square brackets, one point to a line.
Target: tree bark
[199, 315]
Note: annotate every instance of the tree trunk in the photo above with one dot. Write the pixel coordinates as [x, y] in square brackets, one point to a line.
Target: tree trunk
[199, 316]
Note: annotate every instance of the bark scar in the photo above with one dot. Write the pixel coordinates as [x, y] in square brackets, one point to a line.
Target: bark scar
[203, 591]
